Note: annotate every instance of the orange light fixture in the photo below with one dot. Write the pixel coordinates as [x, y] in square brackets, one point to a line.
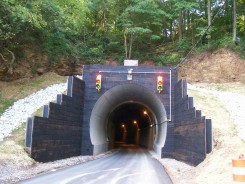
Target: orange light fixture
[159, 84]
[98, 82]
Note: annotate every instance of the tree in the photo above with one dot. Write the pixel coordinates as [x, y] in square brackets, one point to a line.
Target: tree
[176, 11]
[16, 21]
[141, 20]
[244, 18]
[234, 37]
[209, 20]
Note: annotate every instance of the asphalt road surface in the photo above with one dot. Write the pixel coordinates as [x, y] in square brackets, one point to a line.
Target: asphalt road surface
[127, 166]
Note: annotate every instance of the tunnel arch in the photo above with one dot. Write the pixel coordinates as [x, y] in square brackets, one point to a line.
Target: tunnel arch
[126, 93]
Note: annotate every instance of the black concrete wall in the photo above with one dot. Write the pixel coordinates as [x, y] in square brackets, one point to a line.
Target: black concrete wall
[191, 135]
[57, 135]
[117, 75]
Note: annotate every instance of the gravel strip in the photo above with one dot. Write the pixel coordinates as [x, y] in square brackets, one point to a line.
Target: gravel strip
[24, 108]
[234, 104]
[10, 174]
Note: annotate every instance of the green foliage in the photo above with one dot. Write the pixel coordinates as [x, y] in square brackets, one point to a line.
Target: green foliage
[223, 42]
[95, 54]
[137, 30]
[183, 5]
[155, 37]
[19, 133]
[35, 67]
[4, 104]
[15, 19]
[184, 44]
[165, 60]
[239, 47]
[57, 45]
[94, 31]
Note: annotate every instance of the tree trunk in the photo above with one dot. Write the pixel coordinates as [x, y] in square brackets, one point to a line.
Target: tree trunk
[234, 21]
[209, 12]
[125, 45]
[130, 46]
[165, 32]
[206, 4]
[188, 22]
[3, 58]
[171, 25]
[171, 29]
[227, 13]
[84, 37]
[180, 25]
[183, 23]
[244, 17]
[104, 19]
[193, 30]
[11, 64]
[209, 21]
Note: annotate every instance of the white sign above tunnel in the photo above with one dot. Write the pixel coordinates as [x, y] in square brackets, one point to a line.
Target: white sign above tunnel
[131, 62]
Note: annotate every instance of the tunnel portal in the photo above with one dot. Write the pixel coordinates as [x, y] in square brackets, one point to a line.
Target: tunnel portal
[127, 107]
[128, 113]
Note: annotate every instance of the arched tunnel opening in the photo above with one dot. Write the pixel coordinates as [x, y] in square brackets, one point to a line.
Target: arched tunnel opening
[128, 114]
[131, 123]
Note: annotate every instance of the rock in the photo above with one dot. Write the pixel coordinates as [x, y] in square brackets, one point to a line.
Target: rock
[40, 71]
[3, 72]
[67, 69]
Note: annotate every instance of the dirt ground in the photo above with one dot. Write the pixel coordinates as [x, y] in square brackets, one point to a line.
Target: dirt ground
[221, 66]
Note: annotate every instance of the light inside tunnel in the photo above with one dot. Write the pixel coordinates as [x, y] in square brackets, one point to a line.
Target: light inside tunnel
[122, 105]
[129, 123]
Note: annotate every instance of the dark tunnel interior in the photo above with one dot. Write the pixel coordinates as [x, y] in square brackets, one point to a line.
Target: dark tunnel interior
[131, 123]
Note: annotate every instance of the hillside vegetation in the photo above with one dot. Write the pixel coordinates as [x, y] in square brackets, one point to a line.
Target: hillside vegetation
[57, 35]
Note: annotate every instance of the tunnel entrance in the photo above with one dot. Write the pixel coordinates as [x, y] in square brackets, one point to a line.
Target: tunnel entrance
[131, 123]
[128, 113]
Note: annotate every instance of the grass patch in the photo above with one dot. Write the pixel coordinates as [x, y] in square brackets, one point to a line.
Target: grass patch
[196, 94]
[13, 91]
[12, 149]
[234, 87]
[39, 112]
[18, 135]
[5, 103]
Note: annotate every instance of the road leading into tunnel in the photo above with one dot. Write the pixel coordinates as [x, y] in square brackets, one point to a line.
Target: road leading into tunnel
[131, 165]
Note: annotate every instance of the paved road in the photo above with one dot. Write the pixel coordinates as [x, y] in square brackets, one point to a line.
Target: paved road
[127, 166]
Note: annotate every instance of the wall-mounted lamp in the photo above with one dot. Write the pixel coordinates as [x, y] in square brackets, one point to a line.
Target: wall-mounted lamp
[129, 76]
